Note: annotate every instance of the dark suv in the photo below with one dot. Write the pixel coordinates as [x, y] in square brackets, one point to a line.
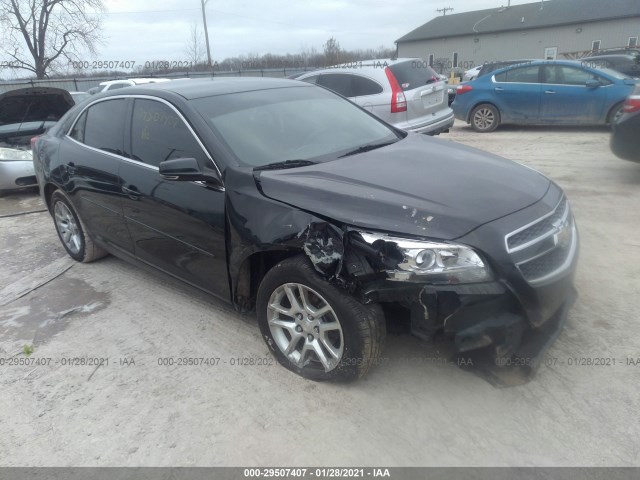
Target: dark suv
[282, 196]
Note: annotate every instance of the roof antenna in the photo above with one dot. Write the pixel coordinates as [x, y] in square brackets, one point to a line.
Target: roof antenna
[444, 10]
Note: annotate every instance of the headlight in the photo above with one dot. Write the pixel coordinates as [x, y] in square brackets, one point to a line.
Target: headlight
[13, 154]
[431, 262]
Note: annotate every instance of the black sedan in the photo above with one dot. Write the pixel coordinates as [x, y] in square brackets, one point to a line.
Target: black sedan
[282, 196]
[625, 141]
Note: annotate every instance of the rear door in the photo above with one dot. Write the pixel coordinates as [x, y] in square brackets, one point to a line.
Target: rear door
[91, 154]
[176, 226]
[517, 94]
[567, 100]
[425, 93]
[369, 94]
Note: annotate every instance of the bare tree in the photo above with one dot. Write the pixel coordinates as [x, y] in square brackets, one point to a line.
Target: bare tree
[195, 49]
[332, 51]
[39, 34]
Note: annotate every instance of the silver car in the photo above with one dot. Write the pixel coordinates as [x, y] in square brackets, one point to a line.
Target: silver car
[26, 113]
[404, 92]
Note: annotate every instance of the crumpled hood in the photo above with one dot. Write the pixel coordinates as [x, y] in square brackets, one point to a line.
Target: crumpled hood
[418, 186]
[31, 110]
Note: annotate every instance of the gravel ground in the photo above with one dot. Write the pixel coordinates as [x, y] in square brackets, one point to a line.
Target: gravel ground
[409, 411]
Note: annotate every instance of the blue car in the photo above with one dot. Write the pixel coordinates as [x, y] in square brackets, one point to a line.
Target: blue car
[543, 92]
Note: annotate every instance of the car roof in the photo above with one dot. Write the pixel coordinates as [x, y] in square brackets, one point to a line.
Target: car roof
[208, 87]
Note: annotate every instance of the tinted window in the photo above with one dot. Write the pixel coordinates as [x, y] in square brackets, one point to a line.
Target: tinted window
[104, 128]
[117, 85]
[312, 79]
[363, 86]
[339, 83]
[563, 75]
[77, 133]
[413, 74]
[158, 134]
[519, 75]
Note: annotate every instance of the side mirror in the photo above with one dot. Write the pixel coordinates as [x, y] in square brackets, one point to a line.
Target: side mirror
[592, 83]
[187, 170]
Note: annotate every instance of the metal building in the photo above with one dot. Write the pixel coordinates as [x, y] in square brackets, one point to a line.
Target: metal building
[545, 29]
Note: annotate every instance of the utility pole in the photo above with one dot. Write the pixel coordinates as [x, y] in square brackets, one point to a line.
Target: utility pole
[444, 10]
[206, 32]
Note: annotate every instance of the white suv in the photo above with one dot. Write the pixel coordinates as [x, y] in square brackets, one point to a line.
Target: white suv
[404, 92]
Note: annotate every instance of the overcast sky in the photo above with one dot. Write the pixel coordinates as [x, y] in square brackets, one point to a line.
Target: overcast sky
[141, 30]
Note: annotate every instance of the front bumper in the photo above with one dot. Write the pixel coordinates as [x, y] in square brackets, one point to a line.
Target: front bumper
[17, 174]
[523, 309]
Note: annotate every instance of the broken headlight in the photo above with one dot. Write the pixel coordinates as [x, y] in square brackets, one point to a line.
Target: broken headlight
[13, 154]
[432, 262]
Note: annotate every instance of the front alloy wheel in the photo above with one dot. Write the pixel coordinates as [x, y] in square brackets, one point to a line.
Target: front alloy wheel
[305, 327]
[315, 328]
[485, 118]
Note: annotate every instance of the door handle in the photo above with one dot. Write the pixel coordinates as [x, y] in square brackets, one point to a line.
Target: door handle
[499, 89]
[133, 193]
[550, 92]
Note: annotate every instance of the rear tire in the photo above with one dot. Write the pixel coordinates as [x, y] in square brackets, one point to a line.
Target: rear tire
[323, 333]
[615, 113]
[72, 231]
[485, 118]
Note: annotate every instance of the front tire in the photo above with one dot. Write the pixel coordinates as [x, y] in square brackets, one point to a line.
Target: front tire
[485, 118]
[315, 329]
[72, 231]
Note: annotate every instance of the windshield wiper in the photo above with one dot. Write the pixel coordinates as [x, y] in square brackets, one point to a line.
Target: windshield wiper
[285, 164]
[367, 148]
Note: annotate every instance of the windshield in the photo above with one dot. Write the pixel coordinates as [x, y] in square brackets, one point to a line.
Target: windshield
[300, 123]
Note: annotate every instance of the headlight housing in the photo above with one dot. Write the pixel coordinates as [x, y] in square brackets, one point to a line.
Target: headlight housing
[432, 262]
[13, 154]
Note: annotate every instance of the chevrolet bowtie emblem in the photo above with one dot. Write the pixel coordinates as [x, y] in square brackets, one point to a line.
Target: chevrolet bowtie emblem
[562, 237]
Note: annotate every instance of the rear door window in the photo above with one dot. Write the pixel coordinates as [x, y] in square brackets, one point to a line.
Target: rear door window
[337, 82]
[413, 74]
[564, 75]
[364, 86]
[520, 75]
[158, 134]
[104, 126]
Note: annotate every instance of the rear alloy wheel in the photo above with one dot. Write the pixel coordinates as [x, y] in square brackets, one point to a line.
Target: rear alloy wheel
[313, 328]
[72, 232]
[615, 113]
[485, 118]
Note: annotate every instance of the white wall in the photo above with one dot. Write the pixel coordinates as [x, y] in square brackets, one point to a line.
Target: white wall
[477, 49]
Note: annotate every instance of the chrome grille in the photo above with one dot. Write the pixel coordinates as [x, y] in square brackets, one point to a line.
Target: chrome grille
[538, 230]
[545, 248]
[541, 266]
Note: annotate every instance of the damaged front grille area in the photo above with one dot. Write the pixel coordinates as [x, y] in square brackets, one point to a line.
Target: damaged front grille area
[541, 229]
[541, 266]
[545, 248]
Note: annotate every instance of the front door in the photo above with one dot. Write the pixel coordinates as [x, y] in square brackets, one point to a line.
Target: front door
[176, 226]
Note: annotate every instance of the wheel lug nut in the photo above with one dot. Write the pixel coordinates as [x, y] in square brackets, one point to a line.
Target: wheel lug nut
[298, 328]
[298, 316]
[310, 337]
[316, 329]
